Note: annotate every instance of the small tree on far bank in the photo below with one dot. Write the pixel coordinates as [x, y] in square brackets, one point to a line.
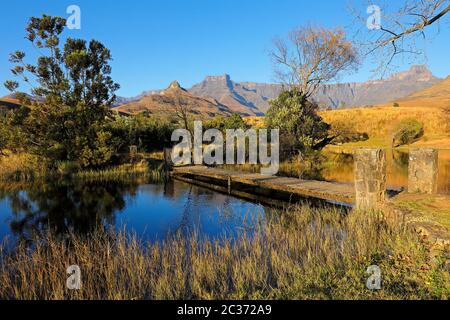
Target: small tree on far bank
[309, 57]
[301, 128]
[73, 91]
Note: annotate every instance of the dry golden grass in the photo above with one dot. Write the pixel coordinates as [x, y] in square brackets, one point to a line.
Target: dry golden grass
[430, 106]
[256, 122]
[302, 253]
[380, 122]
[20, 166]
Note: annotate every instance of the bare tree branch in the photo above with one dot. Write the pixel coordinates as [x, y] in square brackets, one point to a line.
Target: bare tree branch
[399, 31]
[310, 56]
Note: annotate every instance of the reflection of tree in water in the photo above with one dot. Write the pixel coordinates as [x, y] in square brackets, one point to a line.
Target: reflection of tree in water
[185, 214]
[400, 160]
[78, 207]
[193, 202]
[342, 159]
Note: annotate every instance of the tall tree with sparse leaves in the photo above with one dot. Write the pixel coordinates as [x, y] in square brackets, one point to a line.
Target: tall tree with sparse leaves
[73, 93]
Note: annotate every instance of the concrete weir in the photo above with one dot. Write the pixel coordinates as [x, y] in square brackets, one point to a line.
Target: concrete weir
[368, 191]
[280, 188]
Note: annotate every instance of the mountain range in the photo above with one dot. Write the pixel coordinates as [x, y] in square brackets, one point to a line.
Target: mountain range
[220, 95]
[252, 98]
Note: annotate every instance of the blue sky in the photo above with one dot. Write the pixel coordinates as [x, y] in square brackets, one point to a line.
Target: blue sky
[154, 42]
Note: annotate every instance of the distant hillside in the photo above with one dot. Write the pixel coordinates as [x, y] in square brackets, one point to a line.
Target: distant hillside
[436, 96]
[430, 106]
[253, 98]
[164, 101]
[9, 102]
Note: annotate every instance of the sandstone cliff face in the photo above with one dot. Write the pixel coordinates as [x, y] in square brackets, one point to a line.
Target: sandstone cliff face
[235, 96]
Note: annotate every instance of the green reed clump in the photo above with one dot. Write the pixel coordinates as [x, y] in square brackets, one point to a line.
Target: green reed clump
[300, 253]
[124, 171]
[21, 167]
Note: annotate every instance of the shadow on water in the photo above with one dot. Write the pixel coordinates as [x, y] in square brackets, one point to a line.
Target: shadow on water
[64, 206]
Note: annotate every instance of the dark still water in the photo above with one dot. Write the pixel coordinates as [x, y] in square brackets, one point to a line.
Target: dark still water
[152, 211]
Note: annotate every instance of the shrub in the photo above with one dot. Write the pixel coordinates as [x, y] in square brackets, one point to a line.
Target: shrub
[407, 132]
[66, 168]
[223, 123]
[145, 131]
[344, 132]
[21, 166]
[396, 105]
[301, 128]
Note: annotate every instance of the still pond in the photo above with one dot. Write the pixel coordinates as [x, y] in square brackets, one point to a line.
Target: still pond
[155, 210]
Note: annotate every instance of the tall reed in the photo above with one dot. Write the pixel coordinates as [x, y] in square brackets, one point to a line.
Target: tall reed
[301, 253]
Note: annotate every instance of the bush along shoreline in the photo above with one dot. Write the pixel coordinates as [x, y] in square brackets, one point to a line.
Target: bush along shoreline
[23, 167]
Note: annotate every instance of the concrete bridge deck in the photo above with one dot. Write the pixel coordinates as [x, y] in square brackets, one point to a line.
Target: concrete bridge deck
[267, 185]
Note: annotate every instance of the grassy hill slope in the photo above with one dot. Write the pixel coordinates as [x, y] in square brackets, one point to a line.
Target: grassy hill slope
[430, 106]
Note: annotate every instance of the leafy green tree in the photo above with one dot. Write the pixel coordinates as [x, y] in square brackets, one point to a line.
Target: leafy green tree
[222, 123]
[301, 128]
[73, 93]
[8, 134]
[4, 134]
[148, 132]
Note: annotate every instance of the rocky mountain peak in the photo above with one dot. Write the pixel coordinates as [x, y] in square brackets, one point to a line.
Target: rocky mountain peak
[174, 85]
[416, 73]
[218, 81]
[222, 78]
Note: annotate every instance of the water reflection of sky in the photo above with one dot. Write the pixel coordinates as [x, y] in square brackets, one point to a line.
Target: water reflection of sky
[152, 211]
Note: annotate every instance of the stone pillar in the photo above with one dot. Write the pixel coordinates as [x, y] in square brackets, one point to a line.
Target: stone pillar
[168, 157]
[423, 171]
[370, 178]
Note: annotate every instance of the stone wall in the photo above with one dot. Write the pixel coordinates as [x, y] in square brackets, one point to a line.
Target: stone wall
[168, 157]
[370, 178]
[423, 171]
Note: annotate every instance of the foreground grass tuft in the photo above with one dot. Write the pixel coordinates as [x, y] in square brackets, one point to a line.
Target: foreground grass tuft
[303, 253]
